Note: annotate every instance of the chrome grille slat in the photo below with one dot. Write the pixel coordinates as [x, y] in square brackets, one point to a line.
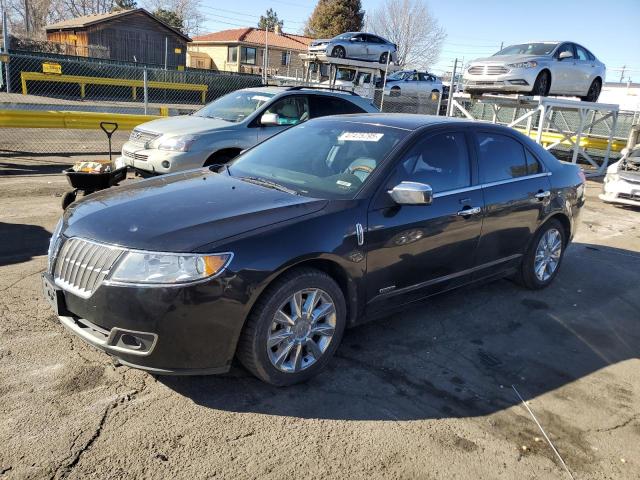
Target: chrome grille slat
[487, 70]
[82, 265]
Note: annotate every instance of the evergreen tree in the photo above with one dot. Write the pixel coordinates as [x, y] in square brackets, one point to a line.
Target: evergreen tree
[269, 21]
[333, 17]
[171, 18]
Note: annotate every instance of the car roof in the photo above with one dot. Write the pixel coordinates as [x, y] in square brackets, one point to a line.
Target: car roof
[406, 121]
[275, 90]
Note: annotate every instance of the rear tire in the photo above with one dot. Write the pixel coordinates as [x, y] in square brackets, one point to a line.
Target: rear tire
[338, 52]
[541, 262]
[594, 91]
[542, 85]
[383, 57]
[282, 347]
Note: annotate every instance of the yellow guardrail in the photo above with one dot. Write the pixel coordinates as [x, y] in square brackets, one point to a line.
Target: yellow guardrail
[69, 119]
[116, 82]
[586, 142]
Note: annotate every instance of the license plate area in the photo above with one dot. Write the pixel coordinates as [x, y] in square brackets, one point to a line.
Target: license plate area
[54, 295]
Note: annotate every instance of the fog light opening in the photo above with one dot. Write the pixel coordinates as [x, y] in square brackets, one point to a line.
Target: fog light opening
[131, 342]
[166, 164]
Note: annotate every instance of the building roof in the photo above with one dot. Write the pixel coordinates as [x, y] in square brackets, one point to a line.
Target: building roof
[256, 36]
[88, 20]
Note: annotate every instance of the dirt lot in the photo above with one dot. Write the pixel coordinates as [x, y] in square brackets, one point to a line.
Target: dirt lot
[423, 394]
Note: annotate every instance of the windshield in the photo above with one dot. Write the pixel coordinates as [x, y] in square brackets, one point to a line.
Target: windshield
[344, 74]
[528, 49]
[345, 36]
[235, 106]
[329, 159]
[399, 75]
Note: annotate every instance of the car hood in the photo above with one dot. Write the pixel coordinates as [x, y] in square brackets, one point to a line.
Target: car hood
[319, 41]
[181, 212]
[502, 59]
[185, 125]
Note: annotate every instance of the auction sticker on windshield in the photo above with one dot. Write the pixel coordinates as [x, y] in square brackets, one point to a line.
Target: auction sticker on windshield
[360, 137]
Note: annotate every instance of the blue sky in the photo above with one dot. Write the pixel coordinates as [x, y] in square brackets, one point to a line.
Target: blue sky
[477, 28]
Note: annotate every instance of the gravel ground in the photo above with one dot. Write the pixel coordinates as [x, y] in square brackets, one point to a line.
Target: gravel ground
[428, 393]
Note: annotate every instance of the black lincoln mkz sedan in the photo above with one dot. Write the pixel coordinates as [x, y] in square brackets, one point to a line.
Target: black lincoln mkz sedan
[328, 223]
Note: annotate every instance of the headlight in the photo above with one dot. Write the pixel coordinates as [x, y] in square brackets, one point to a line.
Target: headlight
[157, 268]
[523, 65]
[175, 144]
[53, 244]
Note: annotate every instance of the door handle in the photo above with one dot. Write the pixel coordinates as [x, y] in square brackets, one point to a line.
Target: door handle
[469, 211]
[541, 195]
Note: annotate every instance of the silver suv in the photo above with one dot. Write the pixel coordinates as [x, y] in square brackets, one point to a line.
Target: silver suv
[538, 68]
[222, 129]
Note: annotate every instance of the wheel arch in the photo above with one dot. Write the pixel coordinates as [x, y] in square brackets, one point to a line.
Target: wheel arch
[332, 268]
[222, 153]
[564, 221]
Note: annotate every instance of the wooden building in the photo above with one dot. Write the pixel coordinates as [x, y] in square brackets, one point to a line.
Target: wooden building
[127, 35]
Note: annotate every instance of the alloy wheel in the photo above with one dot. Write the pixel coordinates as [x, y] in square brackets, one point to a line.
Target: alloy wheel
[548, 254]
[301, 330]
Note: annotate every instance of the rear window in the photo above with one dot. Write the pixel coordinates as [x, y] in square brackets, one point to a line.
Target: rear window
[321, 106]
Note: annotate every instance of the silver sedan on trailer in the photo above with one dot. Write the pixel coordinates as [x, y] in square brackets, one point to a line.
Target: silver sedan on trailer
[357, 46]
[538, 68]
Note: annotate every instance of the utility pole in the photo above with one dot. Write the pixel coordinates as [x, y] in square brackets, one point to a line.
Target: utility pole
[166, 51]
[501, 45]
[5, 35]
[622, 73]
[266, 53]
[26, 17]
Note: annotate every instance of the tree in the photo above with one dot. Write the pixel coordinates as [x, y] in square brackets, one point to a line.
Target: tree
[125, 5]
[188, 10]
[170, 18]
[411, 26]
[333, 17]
[269, 21]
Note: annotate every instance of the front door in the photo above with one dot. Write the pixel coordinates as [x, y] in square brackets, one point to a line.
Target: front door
[291, 110]
[417, 250]
[516, 193]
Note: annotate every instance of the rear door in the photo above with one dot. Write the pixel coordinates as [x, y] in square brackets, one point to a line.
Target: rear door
[516, 191]
[585, 68]
[323, 105]
[417, 250]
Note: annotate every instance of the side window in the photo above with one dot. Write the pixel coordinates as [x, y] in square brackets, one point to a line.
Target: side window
[441, 161]
[501, 157]
[321, 106]
[533, 165]
[581, 53]
[590, 55]
[291, 110]
[565, 47]
[423, 77]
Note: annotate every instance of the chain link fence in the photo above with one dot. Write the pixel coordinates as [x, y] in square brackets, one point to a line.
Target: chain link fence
[49, 82]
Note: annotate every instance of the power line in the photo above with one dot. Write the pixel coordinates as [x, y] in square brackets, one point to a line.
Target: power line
[244, 15]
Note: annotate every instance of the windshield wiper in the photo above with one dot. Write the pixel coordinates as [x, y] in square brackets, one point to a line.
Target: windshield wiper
[269, 184]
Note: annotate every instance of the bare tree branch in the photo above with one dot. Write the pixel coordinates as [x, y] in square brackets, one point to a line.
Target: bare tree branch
[411, 26]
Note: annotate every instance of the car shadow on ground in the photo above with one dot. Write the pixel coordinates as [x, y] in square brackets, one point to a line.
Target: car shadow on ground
[21, 242]
[457, 355]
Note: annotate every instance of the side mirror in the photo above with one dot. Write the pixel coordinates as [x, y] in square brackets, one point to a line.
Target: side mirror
[269, 120]
[412, 193]
[565, 55]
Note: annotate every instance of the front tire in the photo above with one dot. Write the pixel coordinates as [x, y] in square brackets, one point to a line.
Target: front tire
[542, 85]
[594, 91]
[338, 52]
[294, 328]
[542, 260]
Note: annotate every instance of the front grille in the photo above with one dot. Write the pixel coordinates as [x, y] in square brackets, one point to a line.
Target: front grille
[630, 196]
[140, 137]
[135, 156]
[81, 266]
[496, 70]
[487, 70]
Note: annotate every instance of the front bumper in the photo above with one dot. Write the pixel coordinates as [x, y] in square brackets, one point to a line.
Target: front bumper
[517, 80]
[188, 330]
[625, 191]
[160, 161]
